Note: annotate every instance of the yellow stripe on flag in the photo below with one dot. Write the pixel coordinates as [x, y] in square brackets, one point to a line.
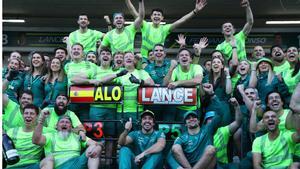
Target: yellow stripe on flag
[82, 93]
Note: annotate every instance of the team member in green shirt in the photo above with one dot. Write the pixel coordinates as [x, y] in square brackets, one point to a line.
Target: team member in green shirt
[12, 111]
[122, 38]
[30, 154]
[78, 67]
[65, 146]
[185, 75]
[147, 144]
[118, 60]
[274, 149]
[155, 33]
[160, 71]
[291, 76]
[91, 56]
[55, 82]
[60, 109]
[87, 37]
[193, 149]
[278, 59]
[16, 83]
[34, 79]
[258, 53]
[62, 54]
[228, 30]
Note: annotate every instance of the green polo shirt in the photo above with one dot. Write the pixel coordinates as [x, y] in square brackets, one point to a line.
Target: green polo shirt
[88, 39]
[158, 73]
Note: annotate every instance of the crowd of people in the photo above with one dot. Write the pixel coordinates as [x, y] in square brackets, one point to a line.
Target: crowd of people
[247, 113]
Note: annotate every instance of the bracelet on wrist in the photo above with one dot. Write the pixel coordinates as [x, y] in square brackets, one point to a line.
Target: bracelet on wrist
[194, 12]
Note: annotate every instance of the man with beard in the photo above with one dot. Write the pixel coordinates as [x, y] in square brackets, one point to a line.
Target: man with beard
[12, 116]
[278, 59]
[155, 33]
[60, 109]
[118, 60]
[65, 146]
[193, 149]
[228, 30]
[274, 149]
[258, 53]
[87, 37]
[122, 38]
[30, 154]
[78, 67]
[147, 143]
[16, 82]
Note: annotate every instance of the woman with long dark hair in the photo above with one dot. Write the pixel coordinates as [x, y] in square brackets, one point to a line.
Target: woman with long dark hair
[56, 82]
[34, 78]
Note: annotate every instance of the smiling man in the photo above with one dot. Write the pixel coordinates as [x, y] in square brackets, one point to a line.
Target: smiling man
[87, 37]
[228, 30]
[274, 149]
[278, 59]
[147, 142]
[65, 146]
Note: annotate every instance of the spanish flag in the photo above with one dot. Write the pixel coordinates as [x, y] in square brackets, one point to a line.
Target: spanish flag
[82, 94]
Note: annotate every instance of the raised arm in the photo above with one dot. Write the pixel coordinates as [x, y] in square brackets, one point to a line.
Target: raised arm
[254, 125]
[228, 83]
[37, 137]
[139, 20]
[235, 61]
[203, 43]
[253, 75]
[238, 116]
[155, 148]
[124, 139]
[4, 96]
[179, 156]
[107, 20]
[200, 4]
[169, 74]
[131, 8]
[294, 114]
[249, 17]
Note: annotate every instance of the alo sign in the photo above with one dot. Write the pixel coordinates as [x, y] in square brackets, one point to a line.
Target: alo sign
[164, 95]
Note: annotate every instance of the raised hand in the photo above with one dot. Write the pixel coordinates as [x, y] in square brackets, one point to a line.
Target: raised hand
[181, 40]
[233, 102]
[12, 74]
[244, 3]
[200, 4]
[203, 43]
[208, 88]
[107, 20]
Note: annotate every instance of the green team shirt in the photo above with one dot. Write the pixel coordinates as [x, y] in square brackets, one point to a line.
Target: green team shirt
[152, 36]
[283, 67]
[88, 39]
[178, 75]
[221, 139]
[83, 68]
[63, 150]
[120, 42]
[291, 81]
[12, 116]
[101, 73]
[194, 146]
[52, 119]
[276, 153]
[143, 141]
[29, 152]
[226, 48]
[158, 73]
[130, 90]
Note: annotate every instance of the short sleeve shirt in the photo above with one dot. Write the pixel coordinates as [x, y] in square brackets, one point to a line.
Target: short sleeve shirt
[88, 39]
[120, 42]
[152, 36]
[282, 68]
[291, 81]
[275, 153]
[226, 48]
[221, 139]
[12, 116]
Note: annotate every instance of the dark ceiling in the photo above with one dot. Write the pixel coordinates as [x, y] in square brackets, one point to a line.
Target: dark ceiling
[63, 13]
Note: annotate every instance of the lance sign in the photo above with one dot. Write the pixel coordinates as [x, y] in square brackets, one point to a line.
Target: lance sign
[164, 95]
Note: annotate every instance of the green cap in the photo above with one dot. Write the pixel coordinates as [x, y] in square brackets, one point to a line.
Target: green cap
[189, 113]
[147, 112]
[265, 60]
